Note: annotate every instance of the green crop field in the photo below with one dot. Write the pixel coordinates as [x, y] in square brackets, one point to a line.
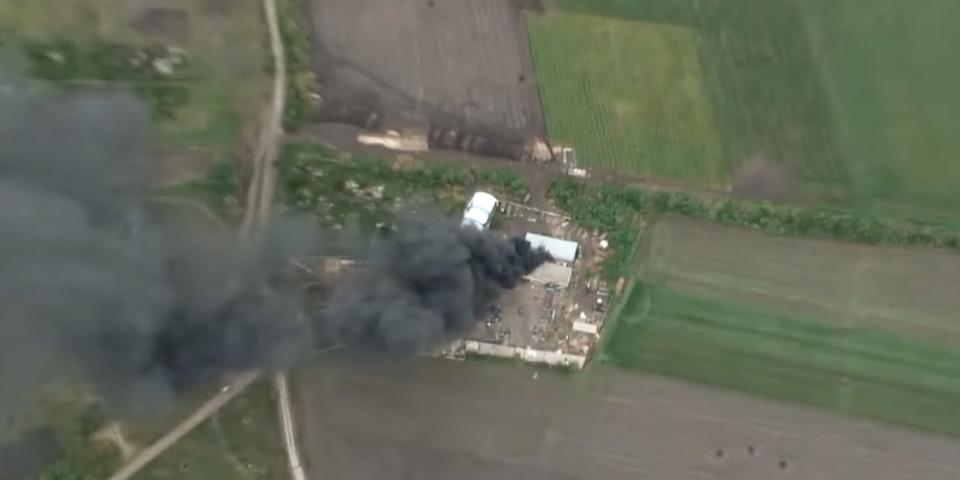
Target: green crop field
[812, 322]
[855, 101]
[891, 73]
[634, 100]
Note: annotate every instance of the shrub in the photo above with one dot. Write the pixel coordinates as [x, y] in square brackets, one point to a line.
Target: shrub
[301, 81]
[313, 178]
[610, 210]
[154, 71]
[596, 207]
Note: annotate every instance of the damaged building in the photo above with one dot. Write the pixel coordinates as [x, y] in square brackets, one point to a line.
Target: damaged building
[551, 318]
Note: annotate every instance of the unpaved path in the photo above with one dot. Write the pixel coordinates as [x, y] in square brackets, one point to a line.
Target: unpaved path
[259, 198]
[145, 456]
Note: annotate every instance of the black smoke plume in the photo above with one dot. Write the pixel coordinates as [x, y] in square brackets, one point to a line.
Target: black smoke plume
[92, 287]
[427, 283]
[95, 287]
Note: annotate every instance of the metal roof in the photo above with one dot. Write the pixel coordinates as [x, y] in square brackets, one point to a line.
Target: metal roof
[553, 273]
[560, 250]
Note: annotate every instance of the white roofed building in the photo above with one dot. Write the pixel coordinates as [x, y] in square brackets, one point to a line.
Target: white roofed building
[560, 250]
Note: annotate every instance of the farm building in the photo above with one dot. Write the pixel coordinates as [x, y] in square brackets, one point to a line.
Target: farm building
[560, 250]
[552, 274]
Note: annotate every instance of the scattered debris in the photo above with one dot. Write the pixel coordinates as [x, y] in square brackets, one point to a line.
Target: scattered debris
[546, 322]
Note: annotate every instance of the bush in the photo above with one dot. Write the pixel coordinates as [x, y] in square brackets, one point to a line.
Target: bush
[598, 208]
[154, 71]
[613, 211]
[65, 60]
[301, 80]
[505, 180]
[313, 178]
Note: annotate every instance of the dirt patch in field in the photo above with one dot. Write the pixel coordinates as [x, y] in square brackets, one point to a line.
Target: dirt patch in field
[434, 419]
[170, 167]
[910, 290]
[463, 63]
[162, 22]
[762, 180]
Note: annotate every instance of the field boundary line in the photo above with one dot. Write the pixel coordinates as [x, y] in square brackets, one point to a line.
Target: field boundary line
[536, 77]
[646, 303]
[612, 319]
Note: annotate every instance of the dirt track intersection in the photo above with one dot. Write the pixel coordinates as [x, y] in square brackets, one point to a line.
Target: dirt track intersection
[435, 419]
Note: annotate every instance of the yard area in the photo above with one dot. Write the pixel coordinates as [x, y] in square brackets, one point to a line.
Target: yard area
[869, 331]
[628, 95]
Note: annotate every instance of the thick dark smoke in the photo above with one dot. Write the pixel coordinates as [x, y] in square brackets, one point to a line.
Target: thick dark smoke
[428, 282]
[94, 287]
[91, 287]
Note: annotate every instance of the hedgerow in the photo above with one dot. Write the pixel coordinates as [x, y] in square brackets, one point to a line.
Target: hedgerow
[155, 72]
[317, 179]
[301, 80]
[615, 210]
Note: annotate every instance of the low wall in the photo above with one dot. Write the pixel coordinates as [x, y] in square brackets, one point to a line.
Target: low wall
[526, 354]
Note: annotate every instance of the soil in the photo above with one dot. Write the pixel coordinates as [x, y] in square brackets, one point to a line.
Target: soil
[436, 419]
[462, 63]
[762, 180]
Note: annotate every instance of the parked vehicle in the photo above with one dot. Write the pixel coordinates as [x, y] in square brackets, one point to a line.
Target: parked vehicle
[479, 210]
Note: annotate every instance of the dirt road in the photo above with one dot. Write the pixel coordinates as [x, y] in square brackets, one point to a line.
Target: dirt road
[145, 456]
[260, 193]
[432, 419]
[258, 203]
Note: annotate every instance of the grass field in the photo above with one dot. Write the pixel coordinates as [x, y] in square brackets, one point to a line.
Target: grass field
[242, 441]
[226, 75]
[861, 330]
[857, 103]
[634, 100]
[891, 72]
